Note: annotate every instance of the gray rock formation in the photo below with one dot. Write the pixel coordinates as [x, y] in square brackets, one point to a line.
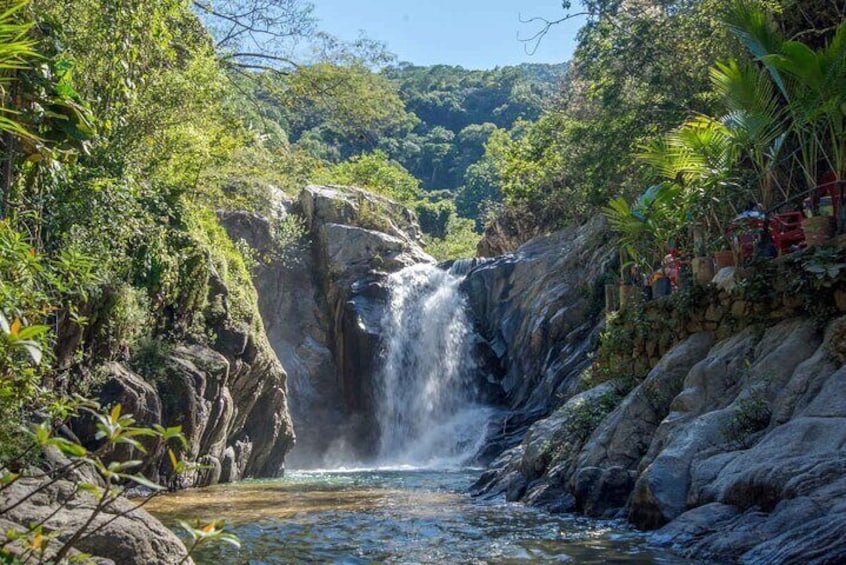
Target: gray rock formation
[619, 445]
[235, 419]
[297, 321]
[770, 486]
[121, 534]
[229, 395]
[537, 470]
[735, 448]
[534, 308]
[322, 304]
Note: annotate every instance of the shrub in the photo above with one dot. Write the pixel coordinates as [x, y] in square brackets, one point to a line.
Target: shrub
[460, 241]
[434, 217]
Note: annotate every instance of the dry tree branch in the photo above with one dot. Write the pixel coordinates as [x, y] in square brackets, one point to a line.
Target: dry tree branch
[531, 43]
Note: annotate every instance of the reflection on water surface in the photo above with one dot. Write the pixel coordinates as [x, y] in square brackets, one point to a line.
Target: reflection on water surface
[395, 516]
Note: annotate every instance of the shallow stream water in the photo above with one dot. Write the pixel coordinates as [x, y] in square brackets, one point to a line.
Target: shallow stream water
[394, 516]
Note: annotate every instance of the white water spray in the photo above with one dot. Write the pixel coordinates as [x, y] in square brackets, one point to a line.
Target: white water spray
[427, 407]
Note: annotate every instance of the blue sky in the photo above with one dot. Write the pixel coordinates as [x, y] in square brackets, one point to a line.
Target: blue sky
[476, 34]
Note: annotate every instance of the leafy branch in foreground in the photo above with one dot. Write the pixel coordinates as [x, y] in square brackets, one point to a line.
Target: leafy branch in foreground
[92, 474]
[203, 534]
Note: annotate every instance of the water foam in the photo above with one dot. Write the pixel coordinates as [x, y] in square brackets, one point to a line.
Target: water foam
[428, 411]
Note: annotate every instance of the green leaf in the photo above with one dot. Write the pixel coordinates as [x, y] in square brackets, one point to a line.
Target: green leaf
[143, 481]
[129, 441]
[231, 539]
[33, 349]
[31, 332]
[146, 432]
[68, 447]
[91, 488]
[193, 532]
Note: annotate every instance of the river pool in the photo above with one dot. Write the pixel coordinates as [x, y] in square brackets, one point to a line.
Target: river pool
[395, 516]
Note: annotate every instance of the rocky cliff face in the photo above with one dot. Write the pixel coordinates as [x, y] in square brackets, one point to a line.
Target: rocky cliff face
[358, 240]
[228, 394]
[322, 306]
[734, 442]
[536, 310]
[298, 325]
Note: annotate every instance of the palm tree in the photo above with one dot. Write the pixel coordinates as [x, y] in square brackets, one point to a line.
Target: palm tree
[699, 159]
[644, 228]
[811, 83]
[755, 121]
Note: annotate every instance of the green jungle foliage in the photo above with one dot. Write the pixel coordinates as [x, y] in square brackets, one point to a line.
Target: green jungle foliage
[429, 123]
[122, 125]
[776, 131]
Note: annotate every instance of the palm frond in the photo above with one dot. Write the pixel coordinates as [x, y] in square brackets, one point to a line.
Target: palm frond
[758, 32]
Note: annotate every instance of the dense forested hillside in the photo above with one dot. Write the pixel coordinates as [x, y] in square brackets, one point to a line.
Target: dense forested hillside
[434, 122]
[459, 110]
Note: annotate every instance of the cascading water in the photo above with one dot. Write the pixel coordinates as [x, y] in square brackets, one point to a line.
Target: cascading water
[427, 406]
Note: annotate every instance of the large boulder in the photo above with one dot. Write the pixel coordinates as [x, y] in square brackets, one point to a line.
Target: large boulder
[120, 385]
[350, 206]
[749, 466]
[731, 388]
[538, 470]
[619, 444]
[351, 247]
[228, 391]
[121, 533]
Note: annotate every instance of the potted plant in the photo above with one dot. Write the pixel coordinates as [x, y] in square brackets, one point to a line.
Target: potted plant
[811, 81]
[703, 269]
[631, 289]
[723, 255]
[659, 282]
[702, 265]
[817, 229]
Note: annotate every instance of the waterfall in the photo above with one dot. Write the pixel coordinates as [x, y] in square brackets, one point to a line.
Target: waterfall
[427, 407]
